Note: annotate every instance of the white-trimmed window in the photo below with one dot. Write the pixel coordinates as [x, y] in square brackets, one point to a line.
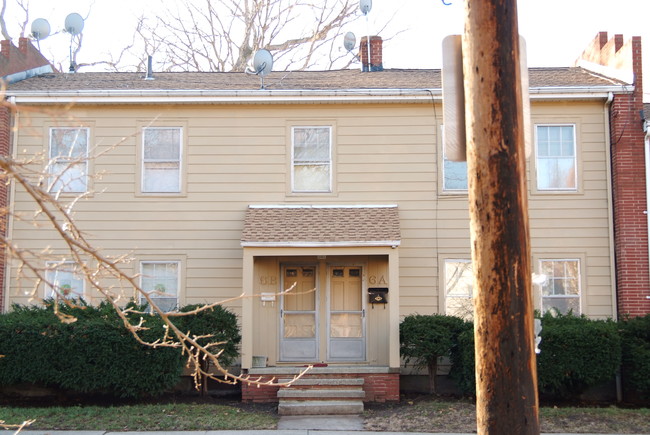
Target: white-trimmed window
[161, 280]
[161, 159]
[68, 154]
[63, 280]
[311, 159]
[454, 176]
[459, 283]
[556, 157]
[561, 289]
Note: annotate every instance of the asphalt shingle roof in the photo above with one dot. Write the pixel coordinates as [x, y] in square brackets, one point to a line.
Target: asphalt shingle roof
[286, 80]
[315, 225]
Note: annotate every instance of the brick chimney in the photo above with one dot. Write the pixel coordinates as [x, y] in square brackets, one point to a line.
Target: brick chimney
[375, 54]
[18, 63]
[622, 60]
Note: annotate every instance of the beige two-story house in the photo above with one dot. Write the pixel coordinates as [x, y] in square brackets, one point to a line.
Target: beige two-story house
[332, 183]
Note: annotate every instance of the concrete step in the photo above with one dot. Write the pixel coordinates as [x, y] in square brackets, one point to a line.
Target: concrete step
[320, 407]
[317, 393]
[333, 382]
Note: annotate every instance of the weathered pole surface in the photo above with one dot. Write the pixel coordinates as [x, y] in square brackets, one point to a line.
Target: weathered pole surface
[506, 379]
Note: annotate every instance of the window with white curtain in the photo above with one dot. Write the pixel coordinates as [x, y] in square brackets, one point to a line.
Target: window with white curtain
[68, 167]
[556, 157]
[311, 159]
[161, 159]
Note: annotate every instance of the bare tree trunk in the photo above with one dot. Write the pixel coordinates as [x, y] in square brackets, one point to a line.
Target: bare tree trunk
[433, 369]
[505, 361]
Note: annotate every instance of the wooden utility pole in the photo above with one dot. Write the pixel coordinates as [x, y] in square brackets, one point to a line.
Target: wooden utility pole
[506, 375]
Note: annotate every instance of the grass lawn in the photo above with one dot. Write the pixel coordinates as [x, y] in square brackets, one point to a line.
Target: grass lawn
[150, 417]
[420, 414]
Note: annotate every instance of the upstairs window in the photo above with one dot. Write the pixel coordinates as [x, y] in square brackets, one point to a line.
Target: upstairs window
[68, 154]
[556, 157]
[454, 176]
[161, 159]
[311, 162]
[160, 280]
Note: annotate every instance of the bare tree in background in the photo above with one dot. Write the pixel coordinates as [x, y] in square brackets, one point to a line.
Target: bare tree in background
[222, 36]
[204, 35]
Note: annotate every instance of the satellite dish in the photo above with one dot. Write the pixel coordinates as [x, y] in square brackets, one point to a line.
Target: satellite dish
[365, 6]
[262, 62]
[74, 23]
[349, 41]
[40, 29]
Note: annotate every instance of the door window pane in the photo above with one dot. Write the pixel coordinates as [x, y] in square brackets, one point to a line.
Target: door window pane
[346, 325]
[299, 325]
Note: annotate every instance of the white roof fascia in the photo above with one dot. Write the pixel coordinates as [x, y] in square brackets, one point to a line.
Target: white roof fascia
[350, 244]
[208, 96]
[322, 206]
[266, 96]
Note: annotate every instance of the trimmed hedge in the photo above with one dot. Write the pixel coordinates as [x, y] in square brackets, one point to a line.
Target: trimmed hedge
[462, 362]
[425, 338]
[218, 322]
[566, 366]
[576, 353]
[635, 343]
[95, 354]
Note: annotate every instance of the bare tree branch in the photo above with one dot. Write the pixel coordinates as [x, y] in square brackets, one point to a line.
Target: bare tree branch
[3, 24]
[56, 212]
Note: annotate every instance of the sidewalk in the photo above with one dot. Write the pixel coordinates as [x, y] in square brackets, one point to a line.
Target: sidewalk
[288, 425]
[251, 432]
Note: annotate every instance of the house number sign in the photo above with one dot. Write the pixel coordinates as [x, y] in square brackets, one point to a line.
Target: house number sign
[374, 279]
[268, 280]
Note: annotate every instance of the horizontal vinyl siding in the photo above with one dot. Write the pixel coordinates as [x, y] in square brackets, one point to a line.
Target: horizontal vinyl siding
[239, 155]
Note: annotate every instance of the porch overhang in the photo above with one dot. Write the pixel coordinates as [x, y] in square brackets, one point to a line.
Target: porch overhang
[321, 226]
[313, 230]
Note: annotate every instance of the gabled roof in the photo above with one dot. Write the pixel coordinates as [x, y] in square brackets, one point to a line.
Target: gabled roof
[338, 80]
[312, 225]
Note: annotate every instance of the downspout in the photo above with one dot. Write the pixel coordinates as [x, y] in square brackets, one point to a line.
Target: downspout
[646, 150]
[610, 218]
[13, 123]
[610, 204]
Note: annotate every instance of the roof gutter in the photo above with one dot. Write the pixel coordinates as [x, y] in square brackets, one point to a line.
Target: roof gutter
[280, 96]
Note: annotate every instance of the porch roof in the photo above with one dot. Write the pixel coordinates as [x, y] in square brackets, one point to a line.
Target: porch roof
[315, 225]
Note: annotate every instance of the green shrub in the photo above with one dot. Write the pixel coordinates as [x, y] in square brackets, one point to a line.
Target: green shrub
[462, 362]
[635, 343]
[565, 367]
[425, 338]
[218, 322]
[96, 354]
[576, 353]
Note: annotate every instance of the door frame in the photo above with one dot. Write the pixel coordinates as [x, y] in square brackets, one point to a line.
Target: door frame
[283, 268]
[364, 311]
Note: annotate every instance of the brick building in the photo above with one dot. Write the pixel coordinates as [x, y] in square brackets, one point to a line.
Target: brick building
[621, 59]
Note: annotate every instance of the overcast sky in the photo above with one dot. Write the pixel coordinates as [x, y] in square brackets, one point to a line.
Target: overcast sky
[556, 31]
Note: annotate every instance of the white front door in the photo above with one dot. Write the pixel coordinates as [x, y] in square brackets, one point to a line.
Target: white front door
[299, 315]
[346, 314]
